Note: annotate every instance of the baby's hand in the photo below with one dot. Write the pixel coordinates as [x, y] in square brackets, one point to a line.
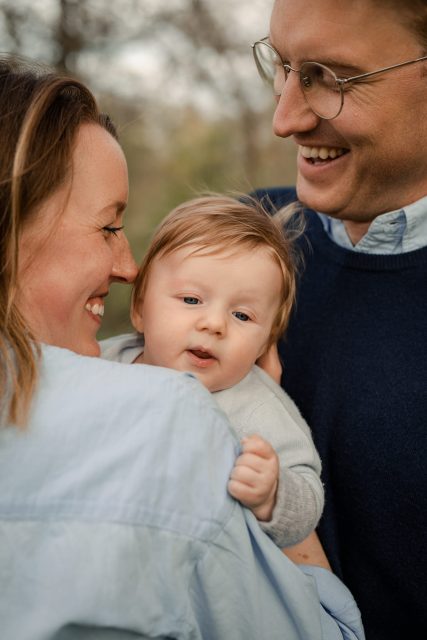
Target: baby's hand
[255, 476]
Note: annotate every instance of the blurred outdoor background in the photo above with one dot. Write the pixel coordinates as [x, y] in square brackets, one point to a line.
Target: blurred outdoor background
[179, 81]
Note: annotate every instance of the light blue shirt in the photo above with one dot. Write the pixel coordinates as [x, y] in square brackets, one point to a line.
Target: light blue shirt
[115, 522]
[395, 232]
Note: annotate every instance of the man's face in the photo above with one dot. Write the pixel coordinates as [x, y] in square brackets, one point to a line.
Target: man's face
[382, 129]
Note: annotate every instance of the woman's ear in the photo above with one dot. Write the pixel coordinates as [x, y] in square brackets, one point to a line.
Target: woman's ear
[136, 317]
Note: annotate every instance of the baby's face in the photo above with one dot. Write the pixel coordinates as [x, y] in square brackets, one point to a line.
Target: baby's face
[209, 314]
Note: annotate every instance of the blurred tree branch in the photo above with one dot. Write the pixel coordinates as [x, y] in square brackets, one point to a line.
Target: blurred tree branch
[71, 28]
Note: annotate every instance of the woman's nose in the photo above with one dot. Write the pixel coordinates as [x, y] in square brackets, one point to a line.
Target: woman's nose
[124, 266]
[293, 115]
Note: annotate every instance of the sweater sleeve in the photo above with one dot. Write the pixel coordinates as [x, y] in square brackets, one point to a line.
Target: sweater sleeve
[299, 503]
[300, 497]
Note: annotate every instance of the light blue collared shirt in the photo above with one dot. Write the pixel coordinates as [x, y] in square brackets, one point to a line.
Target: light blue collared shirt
[394, 232]
[115, 521]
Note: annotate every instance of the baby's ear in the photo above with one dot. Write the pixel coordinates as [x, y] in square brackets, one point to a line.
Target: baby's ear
[136, 318]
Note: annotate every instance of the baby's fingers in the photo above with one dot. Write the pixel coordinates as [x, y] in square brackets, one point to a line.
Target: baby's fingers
[259, 446]
[245, 475]
[246, 484]
[248, 494]
[255, 462]
[242, 493]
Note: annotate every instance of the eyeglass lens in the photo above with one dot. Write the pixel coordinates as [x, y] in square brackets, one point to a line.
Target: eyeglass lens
[318, 83]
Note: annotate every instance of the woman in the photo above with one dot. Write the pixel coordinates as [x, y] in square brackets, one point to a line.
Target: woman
[114, 517]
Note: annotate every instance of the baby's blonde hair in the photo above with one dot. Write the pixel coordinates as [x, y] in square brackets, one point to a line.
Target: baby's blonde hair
[215, 223]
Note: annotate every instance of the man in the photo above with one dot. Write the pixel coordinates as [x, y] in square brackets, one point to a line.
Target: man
[355, 357]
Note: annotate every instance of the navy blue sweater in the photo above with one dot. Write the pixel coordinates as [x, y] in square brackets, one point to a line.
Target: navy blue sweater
[355, 361]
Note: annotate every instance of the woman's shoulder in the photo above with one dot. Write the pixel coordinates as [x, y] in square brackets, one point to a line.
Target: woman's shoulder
[127, 393]
[111, 441]
[91, 378]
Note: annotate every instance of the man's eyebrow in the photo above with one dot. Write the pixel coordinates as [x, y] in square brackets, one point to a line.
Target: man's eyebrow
[345, 67]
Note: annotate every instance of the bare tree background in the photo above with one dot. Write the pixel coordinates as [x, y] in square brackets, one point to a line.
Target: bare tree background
[179, 81]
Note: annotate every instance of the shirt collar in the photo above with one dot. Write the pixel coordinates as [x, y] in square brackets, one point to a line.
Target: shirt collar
[395, 232]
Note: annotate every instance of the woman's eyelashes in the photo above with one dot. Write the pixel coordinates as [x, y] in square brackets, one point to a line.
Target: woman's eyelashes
[110, 230]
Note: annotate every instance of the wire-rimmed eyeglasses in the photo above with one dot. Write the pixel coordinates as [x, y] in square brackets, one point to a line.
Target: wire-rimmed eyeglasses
[322, 88]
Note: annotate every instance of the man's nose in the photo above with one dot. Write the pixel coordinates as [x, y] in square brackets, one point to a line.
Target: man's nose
[293, 115]
[124, 266]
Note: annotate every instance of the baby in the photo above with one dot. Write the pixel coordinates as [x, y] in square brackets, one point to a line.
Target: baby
[213, 294]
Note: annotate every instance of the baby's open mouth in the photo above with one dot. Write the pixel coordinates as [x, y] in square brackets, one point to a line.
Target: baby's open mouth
[203, 355]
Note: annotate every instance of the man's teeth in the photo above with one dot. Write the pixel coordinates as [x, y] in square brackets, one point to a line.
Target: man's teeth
[96, 309]
[324, 153]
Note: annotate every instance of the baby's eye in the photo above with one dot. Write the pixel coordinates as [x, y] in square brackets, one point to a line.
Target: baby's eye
[190, 300]
[112, 230]
[241, 316]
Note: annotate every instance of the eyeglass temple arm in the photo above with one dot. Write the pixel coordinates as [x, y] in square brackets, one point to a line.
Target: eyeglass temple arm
[373, 73]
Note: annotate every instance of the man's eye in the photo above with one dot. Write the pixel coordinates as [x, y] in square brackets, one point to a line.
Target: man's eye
[190, 300]
[112, 230]
[241, 316]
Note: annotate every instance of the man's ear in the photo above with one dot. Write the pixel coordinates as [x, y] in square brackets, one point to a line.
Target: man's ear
[136, 318]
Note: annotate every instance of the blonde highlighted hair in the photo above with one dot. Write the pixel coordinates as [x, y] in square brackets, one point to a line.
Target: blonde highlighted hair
[216, 223]
[40, 115]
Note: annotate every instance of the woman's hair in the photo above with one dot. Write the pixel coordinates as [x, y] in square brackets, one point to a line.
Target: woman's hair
[40, 114]
[214, 224]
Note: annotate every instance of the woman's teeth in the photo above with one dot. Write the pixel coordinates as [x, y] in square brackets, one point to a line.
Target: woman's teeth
[96, 309]
[322, 153]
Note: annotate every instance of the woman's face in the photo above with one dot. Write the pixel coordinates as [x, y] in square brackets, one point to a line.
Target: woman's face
[69, 252]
